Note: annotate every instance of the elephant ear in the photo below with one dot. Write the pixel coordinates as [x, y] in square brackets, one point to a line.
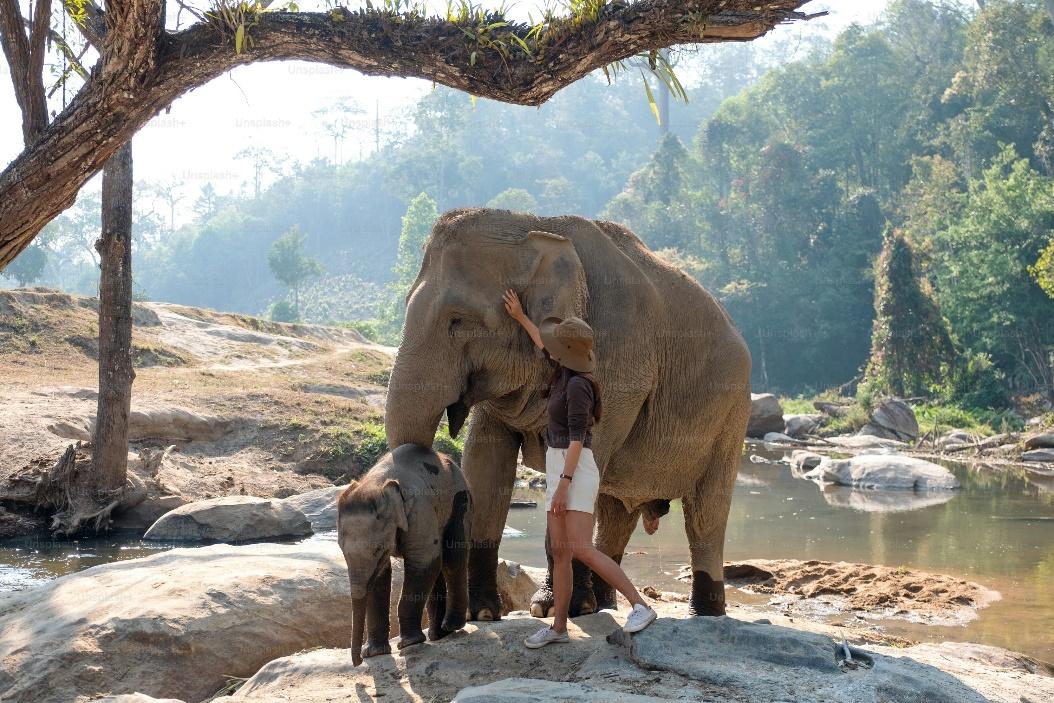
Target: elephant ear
[556, 280]
[394, 495]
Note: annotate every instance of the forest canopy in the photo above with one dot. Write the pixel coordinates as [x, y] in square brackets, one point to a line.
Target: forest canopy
[773, 189]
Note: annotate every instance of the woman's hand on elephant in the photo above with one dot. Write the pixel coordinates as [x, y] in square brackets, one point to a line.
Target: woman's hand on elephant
[558, 505]
[512, 304]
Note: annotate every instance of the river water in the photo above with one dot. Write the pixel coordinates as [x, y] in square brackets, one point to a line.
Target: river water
[998, 530]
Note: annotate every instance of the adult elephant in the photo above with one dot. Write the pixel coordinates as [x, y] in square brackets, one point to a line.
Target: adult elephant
[673, 368]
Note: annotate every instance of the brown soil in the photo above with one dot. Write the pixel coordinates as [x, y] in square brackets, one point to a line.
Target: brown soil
[876, 591]
[299, 404]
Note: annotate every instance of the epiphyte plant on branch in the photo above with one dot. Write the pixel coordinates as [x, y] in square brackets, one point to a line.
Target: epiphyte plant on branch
[144, 66]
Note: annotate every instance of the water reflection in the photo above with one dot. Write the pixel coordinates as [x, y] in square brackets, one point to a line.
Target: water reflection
[871, 501]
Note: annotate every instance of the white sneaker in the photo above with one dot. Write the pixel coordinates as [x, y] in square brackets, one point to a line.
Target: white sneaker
[640, 617]
[544, 636]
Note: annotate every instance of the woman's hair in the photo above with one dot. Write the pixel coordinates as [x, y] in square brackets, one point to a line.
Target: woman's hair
[558, 369]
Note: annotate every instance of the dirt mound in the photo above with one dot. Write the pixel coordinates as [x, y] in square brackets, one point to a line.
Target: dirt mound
[877, 591]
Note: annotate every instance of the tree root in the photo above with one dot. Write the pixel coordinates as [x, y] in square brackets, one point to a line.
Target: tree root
[79, 508]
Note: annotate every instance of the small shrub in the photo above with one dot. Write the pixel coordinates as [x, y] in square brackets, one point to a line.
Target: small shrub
[282, 311]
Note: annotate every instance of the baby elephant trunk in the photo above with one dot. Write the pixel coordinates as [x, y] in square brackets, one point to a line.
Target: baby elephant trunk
[358, 624]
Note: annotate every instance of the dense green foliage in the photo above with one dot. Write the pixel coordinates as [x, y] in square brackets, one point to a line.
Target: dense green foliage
[773, 190]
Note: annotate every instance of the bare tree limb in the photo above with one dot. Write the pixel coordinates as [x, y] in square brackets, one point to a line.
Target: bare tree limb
[144, 69]
[25, 58]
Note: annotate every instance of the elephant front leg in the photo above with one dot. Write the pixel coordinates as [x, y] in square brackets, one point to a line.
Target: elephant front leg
[489, 464]
[418, 584]
[378, 623]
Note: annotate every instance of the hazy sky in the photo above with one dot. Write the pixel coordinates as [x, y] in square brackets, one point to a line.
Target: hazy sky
[272, 104]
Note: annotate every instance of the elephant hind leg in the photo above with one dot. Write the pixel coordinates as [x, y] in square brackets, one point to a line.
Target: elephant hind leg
[455, 564]
[437, 610]
[615, 526]
[705, 517]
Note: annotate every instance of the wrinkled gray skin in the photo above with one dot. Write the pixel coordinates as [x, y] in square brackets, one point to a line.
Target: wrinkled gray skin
[414, 504]
[673, 369]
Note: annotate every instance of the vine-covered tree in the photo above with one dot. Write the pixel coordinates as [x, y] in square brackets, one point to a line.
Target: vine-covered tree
[911, 349]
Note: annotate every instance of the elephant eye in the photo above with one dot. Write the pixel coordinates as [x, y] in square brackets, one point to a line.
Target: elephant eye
[455, 323]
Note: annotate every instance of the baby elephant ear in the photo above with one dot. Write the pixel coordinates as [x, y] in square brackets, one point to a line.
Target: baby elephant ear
[556, 281]
[394, 493]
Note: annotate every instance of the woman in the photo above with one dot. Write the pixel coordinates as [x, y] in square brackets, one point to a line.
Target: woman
[572, 476]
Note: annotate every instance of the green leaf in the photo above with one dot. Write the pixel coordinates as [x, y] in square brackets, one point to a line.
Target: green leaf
[239, 39]
[472, 59]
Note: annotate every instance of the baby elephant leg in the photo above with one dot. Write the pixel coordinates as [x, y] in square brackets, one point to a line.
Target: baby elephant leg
[455, 563]
[378, 623]
[437, 610]
[418, 584]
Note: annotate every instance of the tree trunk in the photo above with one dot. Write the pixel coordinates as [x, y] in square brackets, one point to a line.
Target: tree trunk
[115, 325]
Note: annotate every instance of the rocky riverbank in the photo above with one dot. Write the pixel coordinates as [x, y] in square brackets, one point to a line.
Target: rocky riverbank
[182, 623]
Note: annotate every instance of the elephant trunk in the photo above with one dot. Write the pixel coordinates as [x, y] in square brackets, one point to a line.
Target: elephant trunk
[418, 394]
[358, 625]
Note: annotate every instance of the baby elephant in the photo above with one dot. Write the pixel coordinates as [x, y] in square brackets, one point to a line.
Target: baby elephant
[414, 504]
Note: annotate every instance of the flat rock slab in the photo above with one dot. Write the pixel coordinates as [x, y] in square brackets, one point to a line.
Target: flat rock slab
[696, 659]
[852, 442]
[230, 519]
[541, 691]
[171, 625]
[1038, 455]
[884, 472]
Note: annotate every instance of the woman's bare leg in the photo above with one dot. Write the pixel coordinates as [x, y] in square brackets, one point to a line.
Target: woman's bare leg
[579, 534]
[562, 578]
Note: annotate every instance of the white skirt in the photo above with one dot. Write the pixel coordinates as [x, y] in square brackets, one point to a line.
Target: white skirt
[583, 490]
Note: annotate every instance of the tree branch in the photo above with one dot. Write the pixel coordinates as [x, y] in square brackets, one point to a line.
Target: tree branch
[25, 59]
[144, 70]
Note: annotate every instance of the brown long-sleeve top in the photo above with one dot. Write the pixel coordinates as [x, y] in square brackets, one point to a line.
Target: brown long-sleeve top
[570, 410]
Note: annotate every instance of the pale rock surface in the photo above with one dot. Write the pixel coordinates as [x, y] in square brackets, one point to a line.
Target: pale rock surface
[230, 519]
[766, 415]
[174, 624]
[799, 426]
[320, 506]
[884, 472]
[542, 691]
[677, 658]
[893, 419]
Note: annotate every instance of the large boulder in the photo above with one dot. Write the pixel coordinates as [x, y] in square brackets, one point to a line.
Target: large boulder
[766, 415]
[171, 625]
[677, 658]
[230, 519]
[1043, 440]
[799, 426]
[892, 418]
[884, 472]
[1046, 455]
[320, 506]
